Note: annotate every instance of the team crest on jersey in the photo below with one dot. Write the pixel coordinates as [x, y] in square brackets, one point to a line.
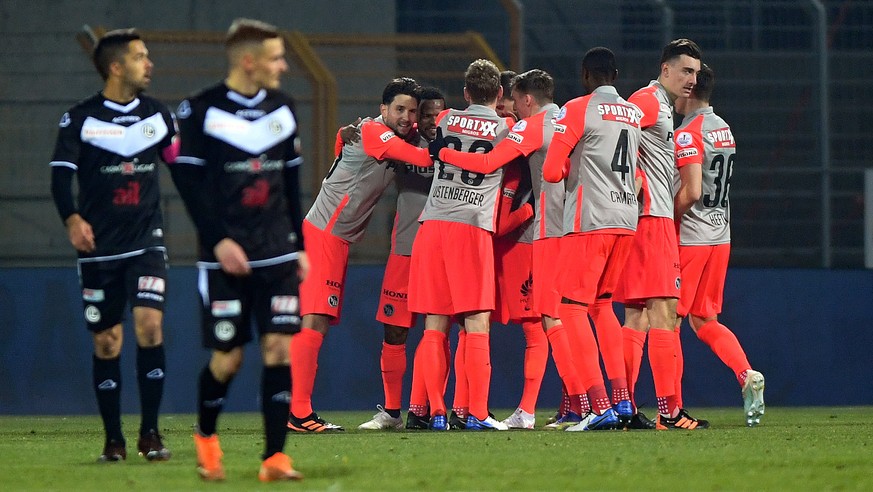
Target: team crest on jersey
[65, 120]
[184, 109]
[148, 131]
[520, 126]
[275, 127]
[385, 137]
[684, 139]
[472, 126]
[92, 314]
[388, 310]
[561, 114]
[333, 301]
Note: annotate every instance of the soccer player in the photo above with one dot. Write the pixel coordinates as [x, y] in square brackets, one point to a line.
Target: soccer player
[413, 184]
[452, 270]
[338, 218]
[533, 93]
[238, 174]
[705, 150]
[111, 143]
[649, 287]
[600, 133]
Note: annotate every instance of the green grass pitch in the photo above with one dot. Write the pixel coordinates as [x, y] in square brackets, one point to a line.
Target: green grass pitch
[821, 448]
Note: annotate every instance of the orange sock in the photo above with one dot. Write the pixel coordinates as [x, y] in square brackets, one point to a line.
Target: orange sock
[461, 398]
[563, 357]
[632, 345]
[432, 360]
[722, 341]
[477, 363]
[586, 356]
[680, 369]
[418, 393]
[304, 350]
[393, 364]
[609, 338]
[536, 354]
[662, 358]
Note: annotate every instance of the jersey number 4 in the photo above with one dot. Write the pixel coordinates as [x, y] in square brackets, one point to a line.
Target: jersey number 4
[467, 177]
[619, 157]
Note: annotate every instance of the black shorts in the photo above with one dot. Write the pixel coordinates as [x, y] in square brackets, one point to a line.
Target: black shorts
[269, 295]
[108, 285]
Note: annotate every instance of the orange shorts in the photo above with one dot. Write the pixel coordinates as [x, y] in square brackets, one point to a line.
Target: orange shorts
[512, 269]
[393, 308]
[591, 265]
[652, 269]
[452, 269]
[545, 274]
[703, 272]
[321, 292]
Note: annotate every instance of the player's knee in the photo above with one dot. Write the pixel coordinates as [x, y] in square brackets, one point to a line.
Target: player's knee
[225, 365]
[274, 347]
[107, 343]
[147, 325]
[395, 335]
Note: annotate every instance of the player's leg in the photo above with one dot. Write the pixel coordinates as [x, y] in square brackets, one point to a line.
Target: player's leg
[146, 279]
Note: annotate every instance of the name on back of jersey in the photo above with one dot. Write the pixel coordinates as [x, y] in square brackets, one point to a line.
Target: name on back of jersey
[474, 127]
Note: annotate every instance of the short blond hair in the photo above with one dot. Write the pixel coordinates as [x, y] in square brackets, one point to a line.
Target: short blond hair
[482, 81]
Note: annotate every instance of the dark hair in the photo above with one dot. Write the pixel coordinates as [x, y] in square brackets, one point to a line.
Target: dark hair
[430, 93]
[538, 83]
[679, 47]
[705, 83]
[400, 85]
[111, 48]
[482, 81]
[249, 31]
[600, 63]
[506, 78]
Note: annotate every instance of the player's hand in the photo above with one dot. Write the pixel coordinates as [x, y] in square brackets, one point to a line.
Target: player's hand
[302, 265]
[80, 233]
[436, 145]
[232, 258]
[351, 133]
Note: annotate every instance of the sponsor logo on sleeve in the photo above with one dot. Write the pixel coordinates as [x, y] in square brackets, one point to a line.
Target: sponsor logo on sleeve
[226, 309]
[685, 153]
[520, 126]
[385, 137]
[560, 128]
[561, 114]
[515, 137]
[684, 139]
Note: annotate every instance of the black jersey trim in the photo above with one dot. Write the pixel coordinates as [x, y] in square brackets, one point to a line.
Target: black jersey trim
[214, 265]
[121, 256]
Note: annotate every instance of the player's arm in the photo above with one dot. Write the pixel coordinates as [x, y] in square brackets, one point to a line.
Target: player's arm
[64, 166]
[381, 143]
[171, 144]
[688, 148]
[649, 106]
[509, 220]
[568, 133]
[347, 135]
[487, 163]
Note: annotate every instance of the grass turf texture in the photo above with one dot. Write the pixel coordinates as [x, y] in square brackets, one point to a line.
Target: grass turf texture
[794, 448]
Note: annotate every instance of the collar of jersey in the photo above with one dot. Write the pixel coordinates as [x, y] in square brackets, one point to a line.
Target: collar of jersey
[246, 101]
[126, 108]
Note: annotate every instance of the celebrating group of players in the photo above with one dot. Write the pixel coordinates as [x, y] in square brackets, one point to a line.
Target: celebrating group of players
[538, 215]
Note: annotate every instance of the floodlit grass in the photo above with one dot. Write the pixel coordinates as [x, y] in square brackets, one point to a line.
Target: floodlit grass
[793, 449]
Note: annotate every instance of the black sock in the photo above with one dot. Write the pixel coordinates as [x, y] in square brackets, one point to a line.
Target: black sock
[275, 404]
[106, 374]
[150, 367]
[210, 401]
[392, 412]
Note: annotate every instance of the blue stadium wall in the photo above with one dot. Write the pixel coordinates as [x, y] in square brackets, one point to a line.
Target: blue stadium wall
[807, 330]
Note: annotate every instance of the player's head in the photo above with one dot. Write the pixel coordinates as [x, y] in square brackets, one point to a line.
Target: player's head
[701, 94]
[505, 105]
[257, 50]
[431, 105]
[598, 68]
[399, 106]
[680, 62]
[482, 82]
[122, 55]
[531, 91]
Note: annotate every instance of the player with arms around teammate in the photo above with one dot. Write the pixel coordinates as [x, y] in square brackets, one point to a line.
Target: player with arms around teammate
[339, 217]
[705, 150]
[413, 184]
[600, 133]
[452, 270]
[111, 142]
[237, 173]
[649, 287]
